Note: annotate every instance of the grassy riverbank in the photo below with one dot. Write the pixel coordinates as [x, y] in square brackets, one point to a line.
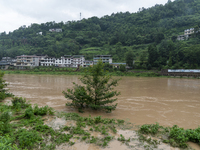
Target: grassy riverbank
[81, 72]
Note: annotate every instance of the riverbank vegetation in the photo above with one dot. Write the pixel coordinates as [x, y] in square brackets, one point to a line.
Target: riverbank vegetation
[110, 71]
[52, 70]
[114, 73]
[175, 136]
[26, 126]
[3, 91]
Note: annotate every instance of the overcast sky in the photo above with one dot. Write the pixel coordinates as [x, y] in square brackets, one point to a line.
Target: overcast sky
[15, 13]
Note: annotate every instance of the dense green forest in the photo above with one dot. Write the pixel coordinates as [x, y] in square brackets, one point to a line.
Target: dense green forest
[149, 35]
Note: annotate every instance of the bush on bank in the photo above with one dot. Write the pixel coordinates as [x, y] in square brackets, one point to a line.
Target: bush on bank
[175, 136]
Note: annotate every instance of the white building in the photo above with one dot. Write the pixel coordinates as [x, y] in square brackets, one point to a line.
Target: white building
[77, 60]
[67, 60]
[58, 62]
[55, 30]
[47, 61]
[64, 61]
[187, 33]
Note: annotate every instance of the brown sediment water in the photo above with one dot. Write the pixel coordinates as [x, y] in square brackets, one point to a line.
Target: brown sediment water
[168, 101]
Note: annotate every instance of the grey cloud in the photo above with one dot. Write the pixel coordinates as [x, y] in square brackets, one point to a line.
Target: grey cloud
[41, 11]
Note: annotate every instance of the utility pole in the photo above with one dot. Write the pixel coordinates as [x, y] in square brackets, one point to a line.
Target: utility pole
[80, 16]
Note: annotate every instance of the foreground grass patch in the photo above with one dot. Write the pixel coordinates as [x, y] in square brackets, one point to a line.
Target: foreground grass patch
[175, 136]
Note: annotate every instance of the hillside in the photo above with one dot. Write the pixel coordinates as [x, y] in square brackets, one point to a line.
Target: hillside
[150, 34]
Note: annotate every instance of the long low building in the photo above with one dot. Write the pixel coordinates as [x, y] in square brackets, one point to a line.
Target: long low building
[64, 61]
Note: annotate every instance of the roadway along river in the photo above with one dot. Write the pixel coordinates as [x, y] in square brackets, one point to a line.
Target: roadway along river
[168, 101]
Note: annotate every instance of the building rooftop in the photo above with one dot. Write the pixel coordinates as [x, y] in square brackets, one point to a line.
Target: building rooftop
[103, 55]
[77, 56]
[118, 63]
[87, 61]
[31, 56]
[67, 55]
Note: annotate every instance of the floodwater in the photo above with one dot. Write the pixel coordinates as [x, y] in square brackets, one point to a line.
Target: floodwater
[168, 101]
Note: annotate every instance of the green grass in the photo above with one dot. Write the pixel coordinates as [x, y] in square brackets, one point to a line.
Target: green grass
[114, 73]
[175, 136]
[22, 127]
[93, 50]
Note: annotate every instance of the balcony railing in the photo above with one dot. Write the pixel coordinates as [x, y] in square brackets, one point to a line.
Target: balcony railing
[102, 58]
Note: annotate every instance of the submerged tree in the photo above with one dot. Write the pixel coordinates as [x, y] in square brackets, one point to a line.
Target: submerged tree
[97, 92]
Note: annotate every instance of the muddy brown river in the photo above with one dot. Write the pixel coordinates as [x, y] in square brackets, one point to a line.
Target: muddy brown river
[168, 101]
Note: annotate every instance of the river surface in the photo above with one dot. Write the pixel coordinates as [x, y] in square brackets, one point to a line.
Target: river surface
[168, 101]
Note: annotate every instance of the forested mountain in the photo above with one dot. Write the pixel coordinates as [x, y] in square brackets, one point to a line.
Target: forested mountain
[150, 34]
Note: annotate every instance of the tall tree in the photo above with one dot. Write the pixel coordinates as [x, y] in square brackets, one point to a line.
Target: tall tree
[153, 54]
[129, 56]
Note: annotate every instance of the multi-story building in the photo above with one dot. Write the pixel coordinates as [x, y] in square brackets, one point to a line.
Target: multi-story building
[187, 33]
[47, 61]
[88, 63]
[58, 62]
[7, 62]
[103, 58]
[11, 61]
[77, 60]
[31, 61]
[67, 61]
[64, 61]
[181, 37]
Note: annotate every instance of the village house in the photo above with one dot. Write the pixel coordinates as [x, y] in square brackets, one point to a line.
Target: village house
[64, 61]
[25, 61]
[7, 62]
[88, 63]
[187, 34]
[47, 61]
[103, 58]
[55, 30]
